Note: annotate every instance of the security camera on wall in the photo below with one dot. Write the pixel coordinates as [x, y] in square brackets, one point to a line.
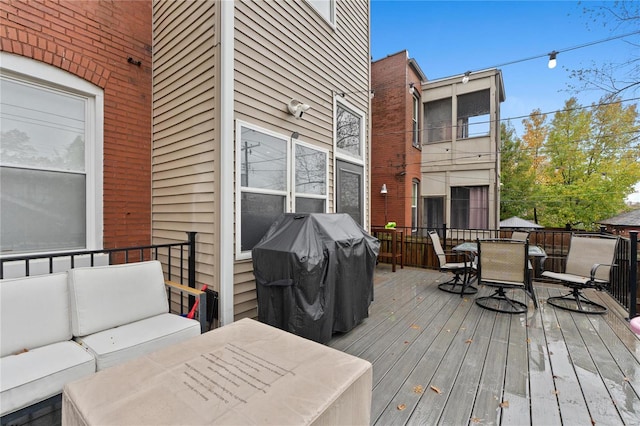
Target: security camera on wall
[297, 108]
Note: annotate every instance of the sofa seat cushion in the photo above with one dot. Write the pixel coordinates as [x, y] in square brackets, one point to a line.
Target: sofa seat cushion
[41, 373]
[119, 344]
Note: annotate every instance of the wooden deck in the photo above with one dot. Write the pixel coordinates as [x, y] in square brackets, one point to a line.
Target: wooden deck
[441, 359]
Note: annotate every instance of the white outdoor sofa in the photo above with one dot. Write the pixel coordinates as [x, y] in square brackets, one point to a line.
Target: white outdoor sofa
[59, 327]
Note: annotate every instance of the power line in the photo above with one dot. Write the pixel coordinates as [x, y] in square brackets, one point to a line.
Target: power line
[566, 49]
[532, 114]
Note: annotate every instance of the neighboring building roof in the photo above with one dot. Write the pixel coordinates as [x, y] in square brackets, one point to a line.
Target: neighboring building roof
[516, 222]
[631, 218]
[418, 70]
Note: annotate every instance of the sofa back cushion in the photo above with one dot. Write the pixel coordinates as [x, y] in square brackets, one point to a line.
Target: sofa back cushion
[109, 296]
[34, 312]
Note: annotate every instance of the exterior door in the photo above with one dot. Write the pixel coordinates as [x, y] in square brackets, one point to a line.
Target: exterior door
[349, 194]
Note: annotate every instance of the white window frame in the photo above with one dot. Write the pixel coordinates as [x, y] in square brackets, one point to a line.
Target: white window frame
[241, 255]
[415, 121]
[415, 197]
[290, 193]
[40, 74]
[331, 19]
[338, 101]
[341, 155]
[296, 194]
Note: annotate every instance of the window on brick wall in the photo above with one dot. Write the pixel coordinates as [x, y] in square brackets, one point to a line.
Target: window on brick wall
[415, 190]
[50, 159]
[415, 121]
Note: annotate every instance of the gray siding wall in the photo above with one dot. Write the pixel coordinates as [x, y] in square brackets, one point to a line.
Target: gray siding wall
[285, 50]
[184, 128]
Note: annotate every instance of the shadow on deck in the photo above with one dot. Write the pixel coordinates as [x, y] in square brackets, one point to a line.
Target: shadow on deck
[441, 359]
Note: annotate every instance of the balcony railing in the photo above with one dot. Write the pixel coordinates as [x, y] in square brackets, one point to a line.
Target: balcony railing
[178, 261]
[418, 252]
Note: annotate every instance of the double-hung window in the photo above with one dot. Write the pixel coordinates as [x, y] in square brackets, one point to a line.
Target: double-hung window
[276, 174]
[50, 159]
[415, 121]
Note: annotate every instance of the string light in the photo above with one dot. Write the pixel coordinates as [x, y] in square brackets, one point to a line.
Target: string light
[554, 53]
[552, 60]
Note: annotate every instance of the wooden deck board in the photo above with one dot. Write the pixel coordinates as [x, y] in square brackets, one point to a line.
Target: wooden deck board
[516, 397]
[541, 378]
[486, 409]
[548, 367]
[463, 393]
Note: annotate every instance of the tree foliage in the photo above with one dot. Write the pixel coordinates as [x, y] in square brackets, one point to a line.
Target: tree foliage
[579, 167]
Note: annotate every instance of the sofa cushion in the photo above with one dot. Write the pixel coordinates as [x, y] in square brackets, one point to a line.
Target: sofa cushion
[116, 345]
[41, 373]
[34, 312]
[109, 296]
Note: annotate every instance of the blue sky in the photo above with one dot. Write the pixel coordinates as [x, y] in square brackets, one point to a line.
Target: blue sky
[450, 37]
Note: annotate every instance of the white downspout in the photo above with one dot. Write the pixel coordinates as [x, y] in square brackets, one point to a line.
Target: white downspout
[227, 143]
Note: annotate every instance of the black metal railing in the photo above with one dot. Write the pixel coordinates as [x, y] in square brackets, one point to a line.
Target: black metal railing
[417, 251]
[178, 261]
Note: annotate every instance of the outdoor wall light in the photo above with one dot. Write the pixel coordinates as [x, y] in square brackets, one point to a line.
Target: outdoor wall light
[297, 108]
[465, 79]
[383, 191]
[411, 89]
[552, 60]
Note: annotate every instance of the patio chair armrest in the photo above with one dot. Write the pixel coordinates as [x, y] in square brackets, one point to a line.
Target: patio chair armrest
[199, 294]
[468, 256]
[595, 267]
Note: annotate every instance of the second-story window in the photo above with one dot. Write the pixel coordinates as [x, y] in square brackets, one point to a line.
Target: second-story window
[438, 120]
[473, 115]
[416, 121]
[326, 9]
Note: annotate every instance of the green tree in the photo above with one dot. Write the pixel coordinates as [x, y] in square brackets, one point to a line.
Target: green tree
[516, 176]
[589, 163]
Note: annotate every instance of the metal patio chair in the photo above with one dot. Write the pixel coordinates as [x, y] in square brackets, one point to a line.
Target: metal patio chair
[460, 283]
[504, 264]
[520, 235]
[589, 264]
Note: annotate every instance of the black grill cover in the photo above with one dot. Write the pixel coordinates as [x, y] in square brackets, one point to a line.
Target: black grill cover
[314, 274]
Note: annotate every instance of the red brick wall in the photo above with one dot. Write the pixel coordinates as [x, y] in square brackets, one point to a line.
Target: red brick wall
[92, 40]
[395, 162]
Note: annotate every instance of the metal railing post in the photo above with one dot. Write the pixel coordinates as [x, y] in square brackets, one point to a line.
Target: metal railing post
[633, 273]
[191, 261]
[444, 236]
